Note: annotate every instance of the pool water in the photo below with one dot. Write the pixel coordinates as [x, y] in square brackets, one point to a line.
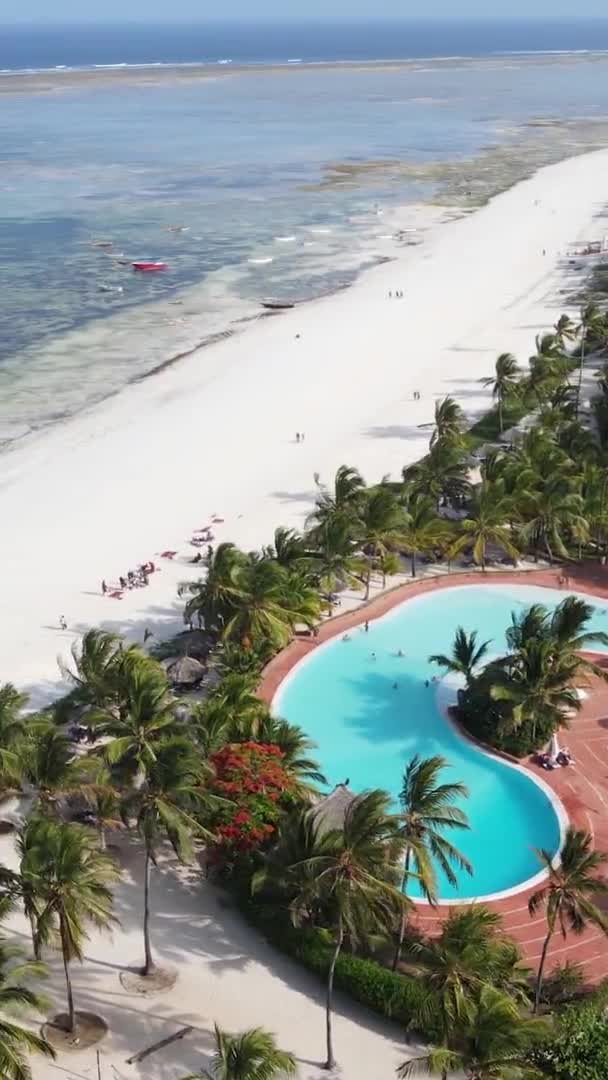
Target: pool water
[367, 730]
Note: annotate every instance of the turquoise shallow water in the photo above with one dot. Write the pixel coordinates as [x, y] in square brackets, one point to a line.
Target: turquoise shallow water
[367, 730]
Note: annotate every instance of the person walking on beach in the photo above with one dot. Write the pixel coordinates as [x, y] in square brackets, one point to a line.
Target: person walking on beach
[366, 627]
[104, 588]
[297, 436]
[63, 624]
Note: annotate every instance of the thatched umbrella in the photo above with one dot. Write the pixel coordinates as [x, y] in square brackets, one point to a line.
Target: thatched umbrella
[331, 811]
[185, 671]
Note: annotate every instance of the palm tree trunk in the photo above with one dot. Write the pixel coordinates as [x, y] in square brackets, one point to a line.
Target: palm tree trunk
[331, 1061]
[541, 969]
[403, 920]
[102, 838]
[500, 425]
[35, 936]
[68, 982]
[413, 564]
[580, 373]
[149, 965]
[368, 576]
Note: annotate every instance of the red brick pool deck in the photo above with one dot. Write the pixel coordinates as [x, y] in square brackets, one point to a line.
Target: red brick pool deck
[582, 788]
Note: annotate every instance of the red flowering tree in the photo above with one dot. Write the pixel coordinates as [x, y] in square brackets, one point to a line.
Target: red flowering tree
[252, 776]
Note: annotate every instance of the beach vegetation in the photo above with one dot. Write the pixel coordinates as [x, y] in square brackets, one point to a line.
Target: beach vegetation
[466, 655]
[248, 1055]
[349, 872]
[425, 533]
[485, 528]
[576, 1045]
[570, 894]
[427, 813]
[518, 700]
[169, 803]
[19, 997]
[71, 881]
[255, 788]
[452, 968]
[505, 384]
[490, 1041]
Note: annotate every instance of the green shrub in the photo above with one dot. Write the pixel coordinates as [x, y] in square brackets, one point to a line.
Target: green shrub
[577, 1048]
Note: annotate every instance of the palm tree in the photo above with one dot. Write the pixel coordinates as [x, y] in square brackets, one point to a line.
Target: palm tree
[335, 557]
[492, 1044]
[250, 1055]
[486, 524]
[466, 654]
[295, 745]
[148, 714]
[352, 871]
[94, 671]
[212, 600]
[70, 878]
[449, 421]
[427, 810]
[269, 601]
[12, 703]
[453, 968]
[234, 704]
[343, 501]
[379, 527]
[16, 997]
[550, 515]
[565, 330]
[504, 383]
[44, 759]
[591, 320]
[289, 548]
[443, 474]
[538, 687]
[164, 806]
[424, 531]
[569, 892]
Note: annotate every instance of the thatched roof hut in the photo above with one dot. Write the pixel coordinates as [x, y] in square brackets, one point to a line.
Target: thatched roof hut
[331, 811]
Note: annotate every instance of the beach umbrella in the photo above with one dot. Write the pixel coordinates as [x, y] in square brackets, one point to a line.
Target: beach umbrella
[185, 671]
[330, 813]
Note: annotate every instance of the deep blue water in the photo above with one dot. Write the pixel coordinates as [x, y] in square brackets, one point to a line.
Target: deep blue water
[239, 163]
[268, 41]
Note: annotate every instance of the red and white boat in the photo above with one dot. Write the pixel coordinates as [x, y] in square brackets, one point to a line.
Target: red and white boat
[149, 267]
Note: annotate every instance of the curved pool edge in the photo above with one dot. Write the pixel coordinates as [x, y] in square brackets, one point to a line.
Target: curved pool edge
[559, 810]
[584, 579]
[282, 668]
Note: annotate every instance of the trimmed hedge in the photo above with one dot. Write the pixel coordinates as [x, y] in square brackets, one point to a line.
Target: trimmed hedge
[385, 992]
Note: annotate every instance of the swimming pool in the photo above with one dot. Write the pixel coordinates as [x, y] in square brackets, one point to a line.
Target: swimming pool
[367, 730]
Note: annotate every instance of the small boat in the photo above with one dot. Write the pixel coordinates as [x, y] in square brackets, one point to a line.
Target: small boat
[148, 267]
[277, 305]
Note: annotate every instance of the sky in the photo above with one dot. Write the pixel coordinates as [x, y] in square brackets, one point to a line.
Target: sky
[18, 11]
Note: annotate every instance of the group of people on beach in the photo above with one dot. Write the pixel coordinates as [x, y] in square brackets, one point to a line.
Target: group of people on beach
[299, 436]
[135, 579]
[398, 294]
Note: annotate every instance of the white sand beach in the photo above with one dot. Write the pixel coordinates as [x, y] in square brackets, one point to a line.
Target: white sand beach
[215, 435]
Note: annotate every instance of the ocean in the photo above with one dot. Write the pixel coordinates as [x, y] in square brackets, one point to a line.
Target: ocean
[260, 166]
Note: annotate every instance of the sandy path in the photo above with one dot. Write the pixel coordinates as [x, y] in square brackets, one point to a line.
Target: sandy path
[100, 494]
[227, 972]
